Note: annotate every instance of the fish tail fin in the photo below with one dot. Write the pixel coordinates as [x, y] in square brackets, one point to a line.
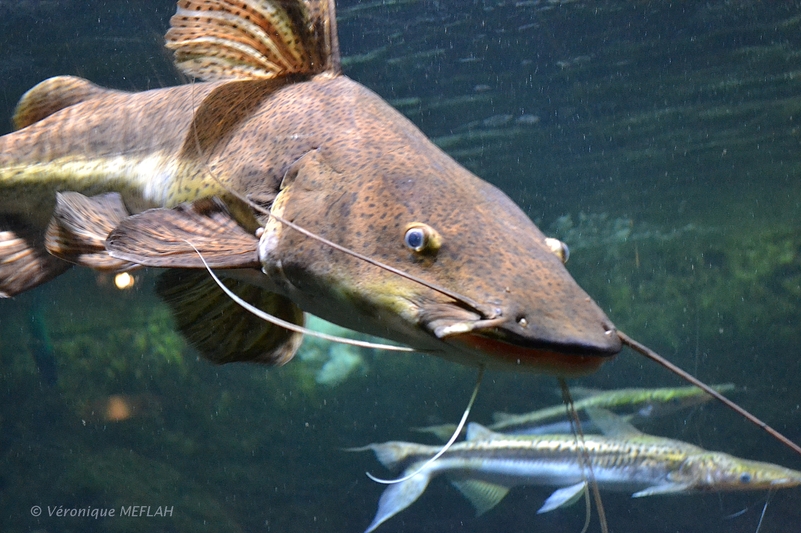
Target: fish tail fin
[253, 39]
[398, 497]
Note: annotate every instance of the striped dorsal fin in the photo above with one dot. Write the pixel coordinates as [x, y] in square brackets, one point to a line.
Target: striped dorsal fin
[254, 39]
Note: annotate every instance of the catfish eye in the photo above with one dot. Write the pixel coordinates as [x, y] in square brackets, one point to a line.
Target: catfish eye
[415, 239]
[745, 477]
[559, 248]
[422, 238]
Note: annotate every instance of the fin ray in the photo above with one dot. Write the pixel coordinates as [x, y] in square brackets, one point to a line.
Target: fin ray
[563, 497]
[482, 494]
[477, 432]
[24, 262]
[80, 225]
[220, 329]
[158, 238]
[398, 497]
[253, 39]
[665, 488]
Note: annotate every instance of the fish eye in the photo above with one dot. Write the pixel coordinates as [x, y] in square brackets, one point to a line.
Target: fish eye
[745, 477]
[421, 238]
[415, 239]
[559, 248]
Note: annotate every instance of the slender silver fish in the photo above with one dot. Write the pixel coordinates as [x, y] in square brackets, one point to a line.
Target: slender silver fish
[488, 464]
[637, 404]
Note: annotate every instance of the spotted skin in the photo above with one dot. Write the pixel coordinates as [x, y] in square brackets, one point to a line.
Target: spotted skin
[332, 156]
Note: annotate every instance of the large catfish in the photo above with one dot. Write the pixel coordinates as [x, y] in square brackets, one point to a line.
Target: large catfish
[116, 180]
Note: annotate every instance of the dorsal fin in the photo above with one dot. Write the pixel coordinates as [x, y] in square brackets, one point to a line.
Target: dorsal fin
[477, 432]
[51, 95]
[254, 39]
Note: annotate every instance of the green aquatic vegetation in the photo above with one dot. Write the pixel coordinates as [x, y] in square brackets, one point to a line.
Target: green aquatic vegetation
[683, 284]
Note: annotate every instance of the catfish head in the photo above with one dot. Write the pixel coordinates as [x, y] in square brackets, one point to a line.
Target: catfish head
[481, 284]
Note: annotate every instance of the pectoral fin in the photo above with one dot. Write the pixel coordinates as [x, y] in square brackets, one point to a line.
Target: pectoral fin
[482, 494]
[563, 497]
[79, 227]
[666, 488]
[221, 330]
[161, 237]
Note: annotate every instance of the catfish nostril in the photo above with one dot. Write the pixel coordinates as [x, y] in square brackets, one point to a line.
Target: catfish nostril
[522, 322]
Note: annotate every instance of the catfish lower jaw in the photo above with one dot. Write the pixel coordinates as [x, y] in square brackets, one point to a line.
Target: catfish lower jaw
[557, 360]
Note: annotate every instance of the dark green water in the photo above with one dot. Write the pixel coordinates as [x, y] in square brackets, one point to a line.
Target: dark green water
[661, 141]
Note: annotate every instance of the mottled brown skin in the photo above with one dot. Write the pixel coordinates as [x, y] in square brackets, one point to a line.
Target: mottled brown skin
[355, 172]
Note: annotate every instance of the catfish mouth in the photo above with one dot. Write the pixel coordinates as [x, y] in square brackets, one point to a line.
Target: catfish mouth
[502, 342]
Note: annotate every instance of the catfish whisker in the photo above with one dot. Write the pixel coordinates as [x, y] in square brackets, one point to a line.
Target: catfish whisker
[653, 356]
[764, 508]
[447, 445]
[294, 327]
[584, 461]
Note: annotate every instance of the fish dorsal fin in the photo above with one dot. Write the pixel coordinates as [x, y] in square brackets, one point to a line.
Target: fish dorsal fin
[222, 331]
[254, 39]
[611, 424]
[482, 494]
[477, 432]
[52, 95]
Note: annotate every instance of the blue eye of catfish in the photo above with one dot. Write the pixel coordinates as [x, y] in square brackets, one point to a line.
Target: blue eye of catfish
[415, 239]
[745, 477]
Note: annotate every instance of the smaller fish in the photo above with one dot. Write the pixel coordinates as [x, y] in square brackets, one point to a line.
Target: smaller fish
[640, 404]
[636, 404]
[488, 464]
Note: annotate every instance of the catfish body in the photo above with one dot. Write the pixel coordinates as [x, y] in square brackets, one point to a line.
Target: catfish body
[319, 150]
